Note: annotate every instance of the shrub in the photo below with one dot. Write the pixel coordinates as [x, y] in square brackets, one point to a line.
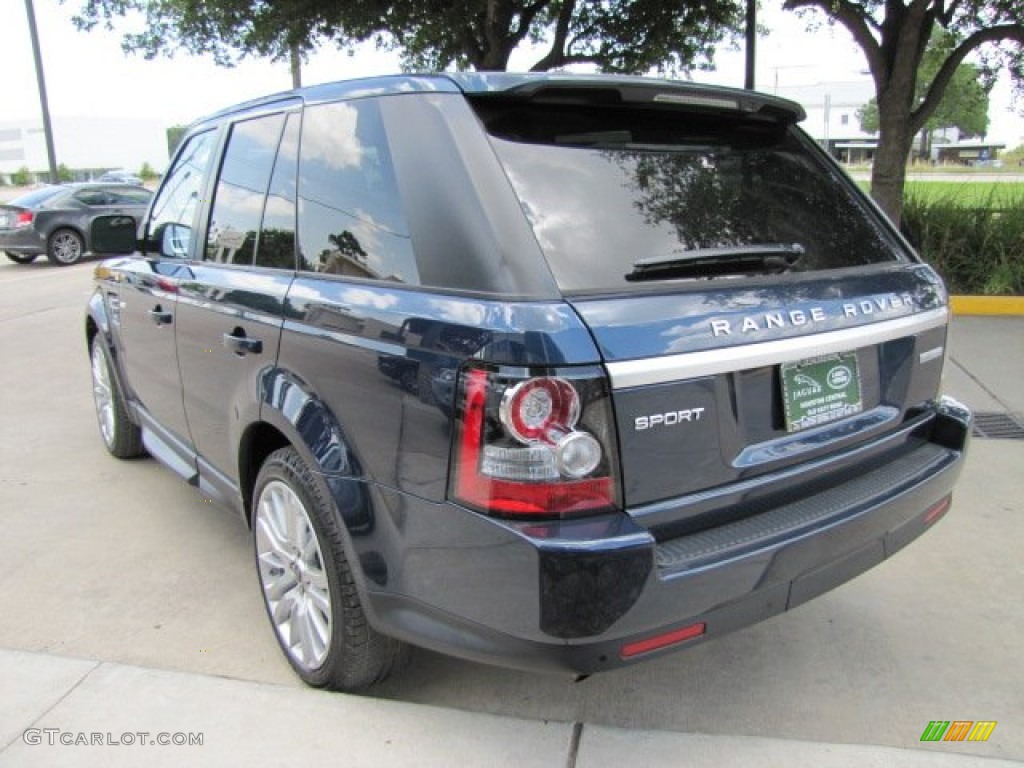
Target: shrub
[146, 172]
[977, 250]
[21, 177]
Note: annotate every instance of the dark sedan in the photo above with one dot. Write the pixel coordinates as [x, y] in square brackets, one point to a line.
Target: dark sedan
[55, 220]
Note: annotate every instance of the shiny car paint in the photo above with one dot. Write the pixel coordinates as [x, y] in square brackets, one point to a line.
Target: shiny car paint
[223, 363]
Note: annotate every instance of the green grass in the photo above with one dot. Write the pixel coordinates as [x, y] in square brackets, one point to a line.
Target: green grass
[968, 194]
[998, 194]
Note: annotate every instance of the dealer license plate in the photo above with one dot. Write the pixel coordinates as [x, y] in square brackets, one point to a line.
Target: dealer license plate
[819, 390]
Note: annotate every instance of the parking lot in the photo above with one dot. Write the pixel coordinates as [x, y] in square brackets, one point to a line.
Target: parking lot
[122, 562]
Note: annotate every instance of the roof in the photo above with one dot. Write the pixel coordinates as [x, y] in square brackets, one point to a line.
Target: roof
[529, 85]
[852, 93]
[971, 145]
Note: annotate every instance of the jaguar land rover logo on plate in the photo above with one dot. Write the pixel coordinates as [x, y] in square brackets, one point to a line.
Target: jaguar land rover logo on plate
[839, 377]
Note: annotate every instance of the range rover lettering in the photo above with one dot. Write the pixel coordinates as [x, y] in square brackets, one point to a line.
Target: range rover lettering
[549, 371]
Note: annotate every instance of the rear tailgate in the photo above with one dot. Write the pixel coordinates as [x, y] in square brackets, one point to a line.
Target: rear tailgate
[698, 384]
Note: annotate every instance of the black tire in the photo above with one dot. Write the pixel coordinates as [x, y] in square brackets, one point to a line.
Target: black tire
[354, 654]
[65, 247]
[120, 436]
[410, 381]
[21, 258]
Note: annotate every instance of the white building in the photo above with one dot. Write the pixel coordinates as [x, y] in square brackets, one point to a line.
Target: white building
[832, 115]
[84, 144]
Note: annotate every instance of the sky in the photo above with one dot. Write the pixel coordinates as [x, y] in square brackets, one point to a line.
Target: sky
[88, 75]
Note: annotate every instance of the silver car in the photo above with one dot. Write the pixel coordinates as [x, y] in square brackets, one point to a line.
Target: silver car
[55, 220]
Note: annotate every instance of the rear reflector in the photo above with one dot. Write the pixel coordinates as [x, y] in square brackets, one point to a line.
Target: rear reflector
[937, 510]
[661, 641]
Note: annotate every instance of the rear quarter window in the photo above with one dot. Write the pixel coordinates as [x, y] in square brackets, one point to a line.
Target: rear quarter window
[37, 197]
[604, 188]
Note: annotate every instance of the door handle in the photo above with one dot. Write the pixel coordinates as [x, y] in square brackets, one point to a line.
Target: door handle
[241, 344]
[159, 316]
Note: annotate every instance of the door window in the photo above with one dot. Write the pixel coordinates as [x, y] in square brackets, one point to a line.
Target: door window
[173, 212]
[242, 189]
[351, 219]
[276, 246]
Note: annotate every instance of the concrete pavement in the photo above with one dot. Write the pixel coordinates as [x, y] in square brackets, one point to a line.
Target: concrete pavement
[129, 605]
[59, 711]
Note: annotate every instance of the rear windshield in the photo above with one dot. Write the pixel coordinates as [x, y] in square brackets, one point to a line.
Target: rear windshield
[36, 196]
[606, 187]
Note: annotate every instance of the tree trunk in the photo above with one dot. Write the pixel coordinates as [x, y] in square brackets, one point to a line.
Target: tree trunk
[295, 60]
[889, 171]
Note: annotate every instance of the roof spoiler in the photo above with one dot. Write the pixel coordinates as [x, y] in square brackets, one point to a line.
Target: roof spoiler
[612, 90]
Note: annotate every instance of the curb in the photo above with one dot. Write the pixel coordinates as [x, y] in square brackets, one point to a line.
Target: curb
[987, 305]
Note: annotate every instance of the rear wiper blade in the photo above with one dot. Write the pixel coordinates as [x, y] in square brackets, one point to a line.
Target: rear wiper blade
[761, 259]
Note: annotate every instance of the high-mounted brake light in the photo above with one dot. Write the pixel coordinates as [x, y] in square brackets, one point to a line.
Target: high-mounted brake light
[23, 219]
[534, 444]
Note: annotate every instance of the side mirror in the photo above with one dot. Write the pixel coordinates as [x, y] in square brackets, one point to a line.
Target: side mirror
[173, 239]
[113, 234]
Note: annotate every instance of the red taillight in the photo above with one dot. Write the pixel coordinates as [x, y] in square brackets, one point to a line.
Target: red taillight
[528, 446]
[533, 408]
[23, 219]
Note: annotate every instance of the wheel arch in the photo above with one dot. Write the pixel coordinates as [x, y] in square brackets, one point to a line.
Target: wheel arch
[292, 415]
[74, 228]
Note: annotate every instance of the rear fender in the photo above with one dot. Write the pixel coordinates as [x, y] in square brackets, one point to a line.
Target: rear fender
[305, 421]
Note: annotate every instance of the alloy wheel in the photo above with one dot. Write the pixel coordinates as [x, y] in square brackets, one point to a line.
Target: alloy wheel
[102, 394]
[67, 247]
[292, 574]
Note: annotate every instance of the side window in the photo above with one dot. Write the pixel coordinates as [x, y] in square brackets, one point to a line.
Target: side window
[93, 197]
[241, 189]
[351, 220]
[276, 247]
[173, 212]
[126, 196]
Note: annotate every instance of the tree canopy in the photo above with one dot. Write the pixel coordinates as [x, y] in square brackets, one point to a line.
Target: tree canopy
[894, 35]
[964, 105]
[615, 35]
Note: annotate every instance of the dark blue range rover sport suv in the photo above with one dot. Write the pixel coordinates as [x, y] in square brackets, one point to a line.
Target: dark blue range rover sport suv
[554, 372]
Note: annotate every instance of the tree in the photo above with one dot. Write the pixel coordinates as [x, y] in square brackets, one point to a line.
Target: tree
[21, 177]
[627, 37]
[174, 136]
[894, 34]
[615, 35]
[225, 29]
[964, 105]
[147, 173]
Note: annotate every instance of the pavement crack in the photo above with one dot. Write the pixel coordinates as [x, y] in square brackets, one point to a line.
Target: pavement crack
[50, 708]
[981, 384]
[574, 744]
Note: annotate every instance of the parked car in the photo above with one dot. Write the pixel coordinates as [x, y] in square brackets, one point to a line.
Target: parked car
[55, 220]
[120, 177]
[554, 372]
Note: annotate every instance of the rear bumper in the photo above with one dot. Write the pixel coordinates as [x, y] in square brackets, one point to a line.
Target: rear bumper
[24, 241]
[569, 596]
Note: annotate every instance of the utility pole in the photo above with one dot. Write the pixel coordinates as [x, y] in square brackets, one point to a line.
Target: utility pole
[751, 43]
[41, 80]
